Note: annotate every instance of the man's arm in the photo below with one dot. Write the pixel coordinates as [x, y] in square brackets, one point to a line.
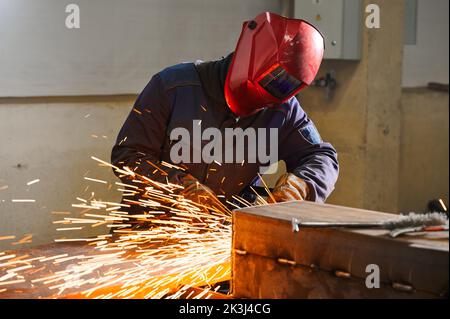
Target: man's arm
[138, 145]
[141, 139]
[306, 155]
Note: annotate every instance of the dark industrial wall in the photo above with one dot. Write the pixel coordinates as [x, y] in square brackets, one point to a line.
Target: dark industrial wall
[424, 149]
[392, 143]
[363, 118]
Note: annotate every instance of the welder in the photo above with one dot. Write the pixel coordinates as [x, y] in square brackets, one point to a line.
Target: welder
[253, 87]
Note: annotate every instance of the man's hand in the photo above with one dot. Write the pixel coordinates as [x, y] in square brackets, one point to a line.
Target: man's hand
[290, 187]
[197, 192]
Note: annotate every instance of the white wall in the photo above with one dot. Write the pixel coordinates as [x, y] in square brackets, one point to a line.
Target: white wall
[427, 60]
[52, 140]
[118, 45]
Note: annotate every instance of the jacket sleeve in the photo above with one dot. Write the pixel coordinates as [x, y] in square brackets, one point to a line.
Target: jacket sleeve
[306, 155]
[138, 145]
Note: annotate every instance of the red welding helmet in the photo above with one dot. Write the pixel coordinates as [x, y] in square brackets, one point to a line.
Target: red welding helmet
[274, 59]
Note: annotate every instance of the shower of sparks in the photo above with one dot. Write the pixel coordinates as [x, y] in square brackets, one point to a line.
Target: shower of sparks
[184, 245]
[6, 238]
[33, 181]
[23, 200]
[25, 240]
[95, 180]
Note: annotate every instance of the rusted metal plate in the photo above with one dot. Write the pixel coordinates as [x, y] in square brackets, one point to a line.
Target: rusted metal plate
[268, 279]
[269, 260]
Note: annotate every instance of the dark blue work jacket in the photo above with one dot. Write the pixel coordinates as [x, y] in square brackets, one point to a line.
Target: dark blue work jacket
[175, 97]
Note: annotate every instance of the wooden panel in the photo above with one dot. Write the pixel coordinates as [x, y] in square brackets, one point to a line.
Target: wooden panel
[266, 232]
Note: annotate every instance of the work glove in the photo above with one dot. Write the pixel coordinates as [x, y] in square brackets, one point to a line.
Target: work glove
[289, 187]
[197, 192]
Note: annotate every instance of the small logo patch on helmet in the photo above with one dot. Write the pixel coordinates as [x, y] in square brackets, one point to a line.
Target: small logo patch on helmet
[310, 133]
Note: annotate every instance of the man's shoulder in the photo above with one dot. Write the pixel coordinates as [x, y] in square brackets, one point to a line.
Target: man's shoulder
[290, 108]
[182, 74]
